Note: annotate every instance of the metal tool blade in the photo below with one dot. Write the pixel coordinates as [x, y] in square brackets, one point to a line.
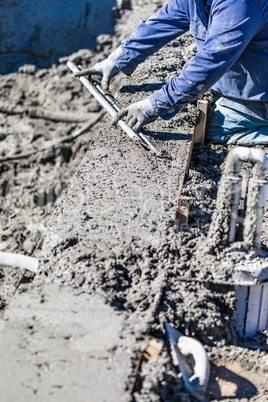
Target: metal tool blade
[103, 98]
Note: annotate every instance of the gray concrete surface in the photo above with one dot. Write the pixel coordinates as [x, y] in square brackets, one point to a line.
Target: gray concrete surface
[114, 248]
[59, 346]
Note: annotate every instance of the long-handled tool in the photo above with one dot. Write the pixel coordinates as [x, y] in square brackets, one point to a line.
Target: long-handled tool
[109, 104]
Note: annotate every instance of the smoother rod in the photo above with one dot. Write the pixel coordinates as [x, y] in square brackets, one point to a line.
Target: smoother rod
[111, 109]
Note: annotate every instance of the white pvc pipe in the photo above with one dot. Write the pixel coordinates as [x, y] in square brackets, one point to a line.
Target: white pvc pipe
[261, 208]
[191, 357]
[233, 166]
[244, 154]
[198, 381]
[235, 182]
[19, 261]
[258, 212]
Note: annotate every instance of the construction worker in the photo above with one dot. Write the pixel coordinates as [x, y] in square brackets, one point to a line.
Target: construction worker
[231, 37]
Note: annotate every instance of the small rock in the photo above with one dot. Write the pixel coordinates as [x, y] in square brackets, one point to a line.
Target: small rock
[28, 246]
[104, 40]
[28, 69]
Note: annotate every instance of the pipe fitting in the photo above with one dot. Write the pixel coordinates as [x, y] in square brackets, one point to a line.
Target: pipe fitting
[190, 358]
[244, 154]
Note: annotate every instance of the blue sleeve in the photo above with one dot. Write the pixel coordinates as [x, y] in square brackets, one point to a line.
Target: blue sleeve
[168, 23]
[233, 24]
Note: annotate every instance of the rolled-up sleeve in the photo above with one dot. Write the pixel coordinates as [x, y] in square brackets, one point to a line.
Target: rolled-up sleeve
[168, 23]
[233, 24]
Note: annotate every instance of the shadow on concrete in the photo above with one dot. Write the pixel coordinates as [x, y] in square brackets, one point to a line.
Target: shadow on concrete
[167, 136]
[231, 384]
[142, 88]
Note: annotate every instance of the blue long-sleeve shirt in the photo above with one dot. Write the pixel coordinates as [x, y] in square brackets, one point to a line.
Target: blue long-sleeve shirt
[232, 53]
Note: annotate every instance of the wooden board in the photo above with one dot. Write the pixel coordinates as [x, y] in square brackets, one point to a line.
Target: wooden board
[184, 203]
[200, 128]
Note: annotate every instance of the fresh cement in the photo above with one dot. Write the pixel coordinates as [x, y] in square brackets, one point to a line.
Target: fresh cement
[113, 239]
[115, 235]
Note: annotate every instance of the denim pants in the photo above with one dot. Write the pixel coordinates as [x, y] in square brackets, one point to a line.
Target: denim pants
[231, 126]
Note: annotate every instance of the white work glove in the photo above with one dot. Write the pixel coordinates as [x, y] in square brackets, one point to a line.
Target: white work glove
[105, 69]
[137, 115]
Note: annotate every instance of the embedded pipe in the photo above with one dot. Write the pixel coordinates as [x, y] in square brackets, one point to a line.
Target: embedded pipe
[223, 226]
[257, 193]
[261, 210]
[235, 182]
[19, 261]
[243, 154]
[222, 230]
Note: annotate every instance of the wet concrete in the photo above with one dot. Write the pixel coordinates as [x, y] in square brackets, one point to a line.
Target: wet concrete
[58, 345]
[113, 239]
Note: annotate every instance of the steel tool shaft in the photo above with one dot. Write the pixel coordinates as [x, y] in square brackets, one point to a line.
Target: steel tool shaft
[96, 90]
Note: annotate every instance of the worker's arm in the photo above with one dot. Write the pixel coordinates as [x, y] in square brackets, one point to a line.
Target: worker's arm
[234, 24]
[168, 23]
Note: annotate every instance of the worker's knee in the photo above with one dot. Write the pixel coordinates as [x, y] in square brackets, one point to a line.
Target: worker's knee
[230, 126]
[250, 137]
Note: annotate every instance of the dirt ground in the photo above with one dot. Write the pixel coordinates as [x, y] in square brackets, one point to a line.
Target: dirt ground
[136, 262]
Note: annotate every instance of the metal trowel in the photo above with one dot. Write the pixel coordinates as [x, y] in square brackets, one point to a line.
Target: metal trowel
[108, 102]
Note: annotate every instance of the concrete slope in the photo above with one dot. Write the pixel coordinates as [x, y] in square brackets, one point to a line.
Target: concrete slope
[122, 197]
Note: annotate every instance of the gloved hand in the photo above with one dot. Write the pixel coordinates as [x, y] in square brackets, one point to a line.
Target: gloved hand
[105, 69]
[137, 115]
